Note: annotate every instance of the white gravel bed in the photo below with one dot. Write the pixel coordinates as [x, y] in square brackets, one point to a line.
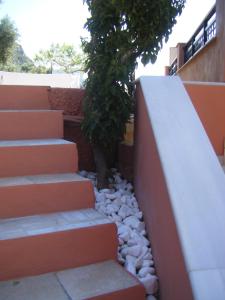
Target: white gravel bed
[134, 251]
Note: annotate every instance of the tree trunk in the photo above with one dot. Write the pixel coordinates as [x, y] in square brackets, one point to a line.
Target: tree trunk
[101, 167]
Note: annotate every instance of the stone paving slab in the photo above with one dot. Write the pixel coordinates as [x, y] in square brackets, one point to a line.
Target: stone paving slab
[47, 223]
[74, 284]
[40, 179]
[34, 142]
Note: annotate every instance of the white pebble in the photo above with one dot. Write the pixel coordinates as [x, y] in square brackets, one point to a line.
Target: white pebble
[120, 258]
[123, 228]
[139, 215]
[105, 191]
[130, 268]
[152, 270]
[125, 236]
[118, 201]
[117, 179]
[121, 241]
[102, 208]
[132, 242]
[100, 197]
[147, 263]
[130, 264]
[130, 201]
[132, 221]
[144, 241]
[91, 176]
[134, 250]
[137, 238]
[116, 218]
[125, 211]
[107, 201]
[143, 232]
[129, 187]
[83, 173]
[148, 255]
[112, 208]
[110, 196]
[144, 271]
[145, 251]
[120, 205]
[150, 283]
[123, 198]
[150, 297]
[124, 252]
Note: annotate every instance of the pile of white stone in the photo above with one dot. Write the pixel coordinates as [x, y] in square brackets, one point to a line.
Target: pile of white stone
[134, 252]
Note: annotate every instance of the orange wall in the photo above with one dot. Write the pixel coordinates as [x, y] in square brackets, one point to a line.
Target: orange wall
[209, 63]
[154, 200]
[19, 96]
[67, 99]
[209, 102]
[43, 97]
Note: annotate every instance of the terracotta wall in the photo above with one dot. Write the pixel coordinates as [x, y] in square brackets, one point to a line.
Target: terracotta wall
[209, 102]
[209, 63]
[68, 100]
[154, 200]
[18, 96]
[179, 183]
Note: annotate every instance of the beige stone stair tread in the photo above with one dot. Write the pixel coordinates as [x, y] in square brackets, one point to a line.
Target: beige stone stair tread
[76, 284]
[33, 142]
[41, 179]
[48, 223]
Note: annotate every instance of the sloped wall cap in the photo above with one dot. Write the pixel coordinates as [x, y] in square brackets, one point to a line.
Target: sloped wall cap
[195, 183]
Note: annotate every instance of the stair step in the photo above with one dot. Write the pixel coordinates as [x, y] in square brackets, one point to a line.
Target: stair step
[39, 156]
[23, 97]
[38, 194]
[52, 242]
[104, 280]
[30, 124]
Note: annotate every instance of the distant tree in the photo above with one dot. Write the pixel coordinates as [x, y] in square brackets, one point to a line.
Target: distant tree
[17, 61]
[60, 58]
[121, 31]
[8, 36]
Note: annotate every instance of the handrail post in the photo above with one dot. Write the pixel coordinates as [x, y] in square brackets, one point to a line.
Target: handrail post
[205, 31]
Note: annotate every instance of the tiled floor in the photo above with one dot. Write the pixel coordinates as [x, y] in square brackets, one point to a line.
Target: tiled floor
[46, 223]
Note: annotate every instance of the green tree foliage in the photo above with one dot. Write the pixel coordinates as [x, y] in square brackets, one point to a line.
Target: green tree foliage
[59, 58]
[121, 31]
[8, 36]
[17, 61]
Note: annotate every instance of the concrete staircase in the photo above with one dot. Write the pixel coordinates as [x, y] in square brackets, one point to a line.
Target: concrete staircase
[53, 243]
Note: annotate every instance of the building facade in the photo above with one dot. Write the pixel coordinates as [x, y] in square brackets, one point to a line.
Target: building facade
[202, 58]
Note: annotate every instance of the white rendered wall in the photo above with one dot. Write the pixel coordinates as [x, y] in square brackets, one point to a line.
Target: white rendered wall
[195, 183]
[52, 80]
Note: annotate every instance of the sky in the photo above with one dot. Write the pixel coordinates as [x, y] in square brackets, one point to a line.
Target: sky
[43, 22]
